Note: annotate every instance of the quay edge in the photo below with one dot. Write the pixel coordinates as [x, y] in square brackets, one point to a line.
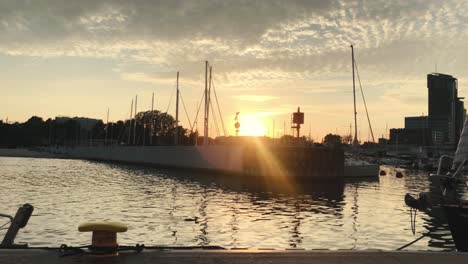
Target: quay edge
[293, 162]
[237, 256]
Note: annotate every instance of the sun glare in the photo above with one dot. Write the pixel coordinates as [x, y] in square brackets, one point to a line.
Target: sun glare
[252, 127]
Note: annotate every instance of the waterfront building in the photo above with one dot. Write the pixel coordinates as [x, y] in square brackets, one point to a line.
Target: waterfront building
[446, 109]
[410, 136]
[416, 122]
[443, 124]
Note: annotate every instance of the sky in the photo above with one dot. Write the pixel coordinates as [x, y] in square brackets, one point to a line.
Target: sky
[79, 58]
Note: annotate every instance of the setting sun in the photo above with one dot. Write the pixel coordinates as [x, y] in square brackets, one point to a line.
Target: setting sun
[252, 127]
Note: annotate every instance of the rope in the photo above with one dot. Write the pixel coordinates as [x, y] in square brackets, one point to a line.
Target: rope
[67, 251]
[411, 243]
[71, 251]
[364, 100]
[413, 220]
[5, 224]
[198, 110]
[170, 100]
[219, 109]
[163, 117]
[215, 120]
[123, 129]
[413, 229]
[186, 113]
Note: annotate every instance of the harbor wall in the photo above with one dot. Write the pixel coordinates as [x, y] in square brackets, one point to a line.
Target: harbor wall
[219, 158]
[25, 153]
[290, 162]
[297, 162]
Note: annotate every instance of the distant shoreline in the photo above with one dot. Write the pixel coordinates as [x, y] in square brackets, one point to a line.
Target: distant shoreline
[25, 153]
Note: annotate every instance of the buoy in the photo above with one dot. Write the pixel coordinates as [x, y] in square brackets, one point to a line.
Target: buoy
[104, 234]
[382, 173]
[399, 174]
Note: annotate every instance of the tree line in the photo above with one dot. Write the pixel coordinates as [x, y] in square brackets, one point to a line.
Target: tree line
[147, 128]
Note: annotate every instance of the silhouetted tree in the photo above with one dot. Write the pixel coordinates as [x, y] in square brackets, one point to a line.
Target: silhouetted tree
[333, 141]
[348, 139]
[37, 132]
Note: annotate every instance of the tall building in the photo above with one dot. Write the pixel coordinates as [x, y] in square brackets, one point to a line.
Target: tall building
[416, 122]
[446, 110]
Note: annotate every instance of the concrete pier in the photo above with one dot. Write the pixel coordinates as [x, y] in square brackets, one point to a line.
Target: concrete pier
[8, 256]
[256, 160]
[25, 153]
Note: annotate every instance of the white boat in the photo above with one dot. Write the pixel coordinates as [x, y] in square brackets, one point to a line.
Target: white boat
[356, 168]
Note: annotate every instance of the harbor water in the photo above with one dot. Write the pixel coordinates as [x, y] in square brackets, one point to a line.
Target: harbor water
[179, 208]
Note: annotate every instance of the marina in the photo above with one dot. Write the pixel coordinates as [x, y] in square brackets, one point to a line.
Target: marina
[233, 132]
[176, 208]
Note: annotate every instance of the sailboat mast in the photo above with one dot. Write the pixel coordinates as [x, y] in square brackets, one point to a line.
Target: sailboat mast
[205, 129]
[152, 121]
[107, 126]
[176, 136]
[130, 124]
[209, 102]
[355, 141]
[135, 122]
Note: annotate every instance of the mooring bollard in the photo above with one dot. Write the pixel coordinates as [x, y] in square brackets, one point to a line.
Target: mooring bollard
[19, 221]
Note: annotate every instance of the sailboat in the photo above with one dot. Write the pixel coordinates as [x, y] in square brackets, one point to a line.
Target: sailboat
[450, 199]
[355, 167]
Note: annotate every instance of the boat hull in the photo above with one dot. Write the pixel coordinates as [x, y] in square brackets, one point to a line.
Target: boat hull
[365, 171]
[457, 216]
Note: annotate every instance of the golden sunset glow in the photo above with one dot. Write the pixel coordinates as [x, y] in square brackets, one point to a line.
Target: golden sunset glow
[253, 127]
[81, 62]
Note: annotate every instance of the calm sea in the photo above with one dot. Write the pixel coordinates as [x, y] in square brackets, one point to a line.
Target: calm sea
[163, 207]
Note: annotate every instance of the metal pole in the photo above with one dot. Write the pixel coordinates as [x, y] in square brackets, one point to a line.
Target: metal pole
[355, 141]
[176, 136]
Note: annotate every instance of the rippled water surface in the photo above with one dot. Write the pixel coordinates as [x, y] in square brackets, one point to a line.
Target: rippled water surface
[179, 208]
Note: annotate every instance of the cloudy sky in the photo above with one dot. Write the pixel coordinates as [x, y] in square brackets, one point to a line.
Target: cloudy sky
[77, 58]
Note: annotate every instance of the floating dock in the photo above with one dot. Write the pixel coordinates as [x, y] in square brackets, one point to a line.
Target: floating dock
[8, 256]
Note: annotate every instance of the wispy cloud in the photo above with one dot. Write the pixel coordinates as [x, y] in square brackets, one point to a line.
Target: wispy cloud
[255, 98]
[266, 51]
